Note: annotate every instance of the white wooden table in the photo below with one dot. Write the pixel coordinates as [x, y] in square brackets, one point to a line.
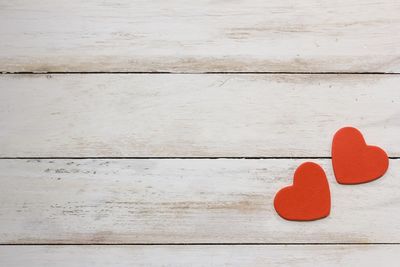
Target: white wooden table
[156, 133]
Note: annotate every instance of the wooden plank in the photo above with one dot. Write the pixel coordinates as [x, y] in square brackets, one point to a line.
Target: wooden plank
[182, 201]
[147, 115]
[179, 36]
[152, 256]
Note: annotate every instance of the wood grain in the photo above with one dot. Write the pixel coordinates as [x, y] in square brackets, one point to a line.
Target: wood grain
[182, 201]
[200, 36]
[196, 256]
[148, 115]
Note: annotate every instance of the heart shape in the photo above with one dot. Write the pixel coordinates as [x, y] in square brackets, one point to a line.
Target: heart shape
[309, 197]
[355, 162]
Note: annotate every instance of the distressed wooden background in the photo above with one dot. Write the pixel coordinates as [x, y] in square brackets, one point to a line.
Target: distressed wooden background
[156, 133]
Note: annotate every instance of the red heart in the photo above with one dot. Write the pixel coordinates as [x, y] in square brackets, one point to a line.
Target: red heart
[309, 197]
[354, 162]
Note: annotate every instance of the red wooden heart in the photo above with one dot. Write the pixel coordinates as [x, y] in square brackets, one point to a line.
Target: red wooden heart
[354, 162]
[309, 197]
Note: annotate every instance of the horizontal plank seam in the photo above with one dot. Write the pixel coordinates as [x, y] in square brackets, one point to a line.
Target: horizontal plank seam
[195, 244]
[191, 73]
[164, 158]
[44, 158]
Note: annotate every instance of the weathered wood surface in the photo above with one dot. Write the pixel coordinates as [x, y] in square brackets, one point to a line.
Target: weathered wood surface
[182, 201]
[147, 115]
[200, 36]
[196, 256]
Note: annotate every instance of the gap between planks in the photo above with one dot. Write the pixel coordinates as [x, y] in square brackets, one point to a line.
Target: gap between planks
[245, 157]
[199, 73]
[200, 244]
